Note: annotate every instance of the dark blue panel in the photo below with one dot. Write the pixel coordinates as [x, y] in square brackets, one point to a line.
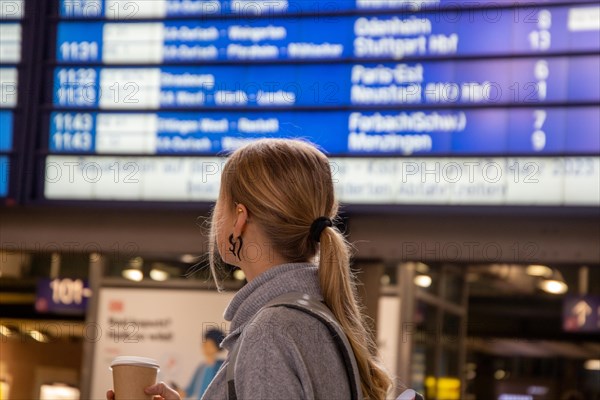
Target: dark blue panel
[190, 8]
[540, 130]
[63, 296]
[486, 132]
[583, 131]
[4, 174]
[438, 34]
[6, 130]
[503, 81]
[76, 87]
[440, 132]
[72, 132]
[82, 8]
[584, 78]
[79, 42]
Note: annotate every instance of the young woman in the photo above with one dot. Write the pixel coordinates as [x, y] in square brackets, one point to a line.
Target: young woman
[273, 219]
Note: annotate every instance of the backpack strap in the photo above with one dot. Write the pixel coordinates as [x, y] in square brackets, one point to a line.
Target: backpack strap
[229, 373]
[320, 311]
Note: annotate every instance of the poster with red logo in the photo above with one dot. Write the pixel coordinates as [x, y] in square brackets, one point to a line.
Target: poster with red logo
[164, 324]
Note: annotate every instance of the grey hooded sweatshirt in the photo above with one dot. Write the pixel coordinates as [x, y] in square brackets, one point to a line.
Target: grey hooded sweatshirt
[284, 354]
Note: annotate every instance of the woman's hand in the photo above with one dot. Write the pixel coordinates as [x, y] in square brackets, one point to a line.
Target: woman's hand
[160, 391]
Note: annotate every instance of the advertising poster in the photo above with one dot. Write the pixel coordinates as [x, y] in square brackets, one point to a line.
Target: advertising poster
[164, 324]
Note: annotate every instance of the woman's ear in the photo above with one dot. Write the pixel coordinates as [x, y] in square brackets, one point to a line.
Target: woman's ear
[240, 220]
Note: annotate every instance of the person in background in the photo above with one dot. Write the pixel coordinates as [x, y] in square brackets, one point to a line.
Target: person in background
[207, 370]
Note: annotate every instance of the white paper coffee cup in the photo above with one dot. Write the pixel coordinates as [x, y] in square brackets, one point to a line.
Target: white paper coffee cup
[131, 375]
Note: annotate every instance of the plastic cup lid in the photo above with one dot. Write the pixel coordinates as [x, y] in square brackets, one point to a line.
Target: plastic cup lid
[137, 361]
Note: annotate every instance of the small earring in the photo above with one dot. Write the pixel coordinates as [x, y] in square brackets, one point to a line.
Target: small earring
[240, 210]
[235, 248]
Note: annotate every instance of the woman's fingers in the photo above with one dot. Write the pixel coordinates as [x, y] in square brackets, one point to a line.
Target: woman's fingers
[162, 390]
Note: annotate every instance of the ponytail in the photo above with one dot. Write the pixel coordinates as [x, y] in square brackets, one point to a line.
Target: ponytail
[339, 292]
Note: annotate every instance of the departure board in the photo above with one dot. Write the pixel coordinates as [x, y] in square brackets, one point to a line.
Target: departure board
[11, 14]
[416, 102]
[548, 181]
[138, 9]
[433, 132]
[530, 30]
[495, 81]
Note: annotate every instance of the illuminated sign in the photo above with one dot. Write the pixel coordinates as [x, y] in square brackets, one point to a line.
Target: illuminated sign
[11, 12]
[581, 313]
[62, 296]
[418, 106]
[435, 181]
[435, 34]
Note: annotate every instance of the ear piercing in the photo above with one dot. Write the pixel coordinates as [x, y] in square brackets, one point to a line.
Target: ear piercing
[236, 246]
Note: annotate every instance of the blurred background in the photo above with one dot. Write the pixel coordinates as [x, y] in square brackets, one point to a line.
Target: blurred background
[464, 139]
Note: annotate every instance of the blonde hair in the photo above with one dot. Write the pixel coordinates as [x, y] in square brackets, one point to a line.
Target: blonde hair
[286, 185]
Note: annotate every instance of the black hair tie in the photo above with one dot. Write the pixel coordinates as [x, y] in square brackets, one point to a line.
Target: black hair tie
[316, 228]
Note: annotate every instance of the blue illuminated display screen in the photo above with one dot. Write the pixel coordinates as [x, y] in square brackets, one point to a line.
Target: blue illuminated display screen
[433, 34]
[6, 129]
[164, 85]
[194, 8]
[11, 36]
[435, 132]
[504, 81]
